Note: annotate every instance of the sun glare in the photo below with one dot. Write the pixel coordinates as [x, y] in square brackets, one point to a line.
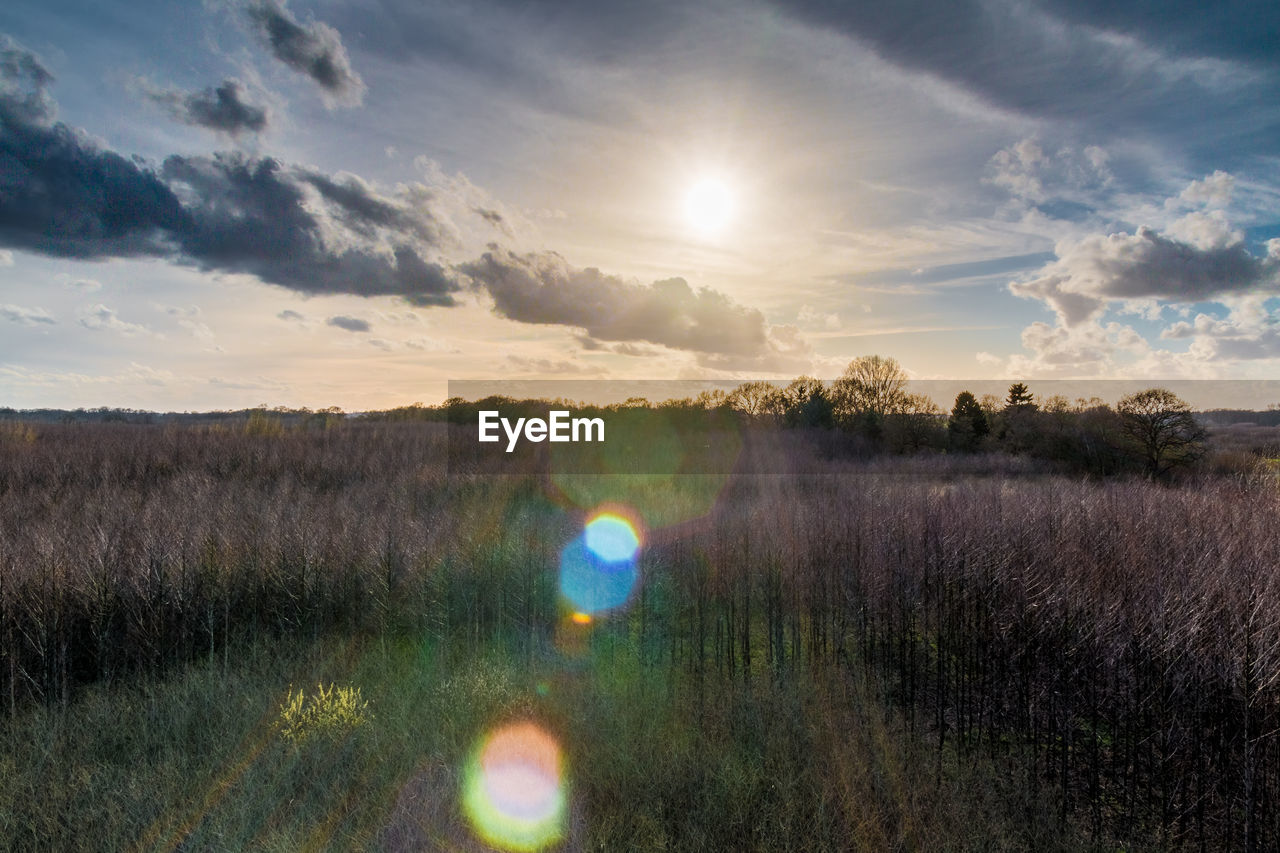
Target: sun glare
[708, 206]
[514, 789]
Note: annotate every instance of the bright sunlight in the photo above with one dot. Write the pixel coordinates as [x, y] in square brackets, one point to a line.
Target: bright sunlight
[709, 206]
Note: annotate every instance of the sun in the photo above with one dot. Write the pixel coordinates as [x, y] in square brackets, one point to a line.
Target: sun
[709, 206]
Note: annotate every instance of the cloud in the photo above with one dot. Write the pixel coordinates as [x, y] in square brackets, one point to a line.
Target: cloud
[223, 109]
[187, 318]
[786, 351]
[1245, 30]
[1064, 65]
[1146, 265]
[402, 317]
[493, 217]
[812, 317]
[6, 258]
[306, 231]
[1095, 349]
[546, 366]
[542, 288]
[1249, 331]
[250, 384]
[1085, 348]
[351, 324]
[1028, 172]
[1198, 259]
[289, 314]
[100, 318]
[1213, 190]
[23, 84]
[135, 374]
[428, 345]
[319, 233]
[590, 344]
[229, 213]
[358, 206]
[314, 49]
[63, 196]
[26, 316]
[73, 200]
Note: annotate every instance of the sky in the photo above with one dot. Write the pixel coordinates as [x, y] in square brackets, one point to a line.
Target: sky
[352, 202]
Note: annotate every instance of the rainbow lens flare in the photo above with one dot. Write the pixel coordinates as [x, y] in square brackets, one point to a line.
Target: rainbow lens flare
[598, 569]
[514, 790]
[611, 538]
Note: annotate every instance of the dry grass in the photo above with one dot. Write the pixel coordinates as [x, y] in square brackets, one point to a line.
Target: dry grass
[932, 653]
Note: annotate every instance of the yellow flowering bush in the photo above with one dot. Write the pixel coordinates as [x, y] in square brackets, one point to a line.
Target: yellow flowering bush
[329, 712]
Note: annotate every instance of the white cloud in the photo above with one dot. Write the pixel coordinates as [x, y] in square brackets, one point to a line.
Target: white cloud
[26, 316]
[1213, 191]
[100, 318]
[1028, 172]
[1198, 259]
[812, 317]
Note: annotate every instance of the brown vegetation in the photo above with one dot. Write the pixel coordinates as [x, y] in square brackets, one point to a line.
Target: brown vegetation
[1118, 641]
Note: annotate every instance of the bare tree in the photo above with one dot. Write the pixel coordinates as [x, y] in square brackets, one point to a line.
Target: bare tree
[914, 423]
[1162, 429]
[870, 388]
[752, 398]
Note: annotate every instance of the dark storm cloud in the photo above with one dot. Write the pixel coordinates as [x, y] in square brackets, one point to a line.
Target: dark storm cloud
[253, 216]
[314, 49]
[224, 108]
[62, 195]
[541, 288]
[363, 210]
[351, 324]
[23, 80]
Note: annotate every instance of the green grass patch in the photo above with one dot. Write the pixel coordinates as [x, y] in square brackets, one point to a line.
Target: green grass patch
[236, 759]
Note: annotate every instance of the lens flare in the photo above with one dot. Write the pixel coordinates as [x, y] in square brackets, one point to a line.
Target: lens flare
[514, 792]
[611, 538]
[598, 569]
[572, 636]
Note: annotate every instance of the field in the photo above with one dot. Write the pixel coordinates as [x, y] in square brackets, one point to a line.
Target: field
[937, 652]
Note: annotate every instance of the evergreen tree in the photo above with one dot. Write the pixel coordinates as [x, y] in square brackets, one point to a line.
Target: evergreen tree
[968, 424]
[1019, 397]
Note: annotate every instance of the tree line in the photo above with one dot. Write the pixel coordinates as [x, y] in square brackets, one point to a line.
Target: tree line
[1151, 431]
